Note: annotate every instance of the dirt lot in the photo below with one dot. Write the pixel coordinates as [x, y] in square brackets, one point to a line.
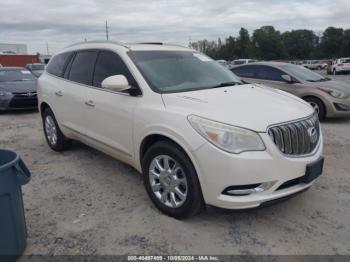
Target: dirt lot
[84, 202]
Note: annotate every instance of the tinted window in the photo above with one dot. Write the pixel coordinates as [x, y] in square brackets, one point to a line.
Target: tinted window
[109, 64]
[245, 71]
[82, 67]
[57, 64]
[269, 73]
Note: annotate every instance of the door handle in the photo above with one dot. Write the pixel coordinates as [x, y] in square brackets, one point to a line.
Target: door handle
[59, 93]
[90, 103]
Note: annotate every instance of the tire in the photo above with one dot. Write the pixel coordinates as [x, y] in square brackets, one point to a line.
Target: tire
[53, 134]
[318, 105]
[188, 206]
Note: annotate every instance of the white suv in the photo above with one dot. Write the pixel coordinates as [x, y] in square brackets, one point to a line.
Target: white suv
[195, 131]
[341, 65]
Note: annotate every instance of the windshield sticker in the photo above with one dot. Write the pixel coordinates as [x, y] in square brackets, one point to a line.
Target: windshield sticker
[25, 72]
[202, 57]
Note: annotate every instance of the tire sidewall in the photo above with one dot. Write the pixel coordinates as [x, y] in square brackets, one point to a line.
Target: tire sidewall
[193, 189]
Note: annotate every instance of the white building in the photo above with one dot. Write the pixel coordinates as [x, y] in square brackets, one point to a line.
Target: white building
[13, 49]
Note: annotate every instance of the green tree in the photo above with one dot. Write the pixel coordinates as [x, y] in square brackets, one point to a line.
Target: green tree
[268, 43]
[244, 47]
[331, 44]
[300, 44]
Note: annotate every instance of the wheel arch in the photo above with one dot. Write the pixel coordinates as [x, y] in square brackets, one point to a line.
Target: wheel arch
[319, 98]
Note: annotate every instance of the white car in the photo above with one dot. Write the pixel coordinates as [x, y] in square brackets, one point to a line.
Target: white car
[341, 65]
[190, 126]
[243, 61]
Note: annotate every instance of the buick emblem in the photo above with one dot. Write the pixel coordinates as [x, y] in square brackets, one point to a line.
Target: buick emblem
[312, 132]
[30, 94]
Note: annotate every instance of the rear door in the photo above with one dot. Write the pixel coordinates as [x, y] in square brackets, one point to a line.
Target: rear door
[79, 75]
[109, 113]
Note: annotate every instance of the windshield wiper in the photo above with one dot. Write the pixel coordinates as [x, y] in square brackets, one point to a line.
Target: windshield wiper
[226, 84]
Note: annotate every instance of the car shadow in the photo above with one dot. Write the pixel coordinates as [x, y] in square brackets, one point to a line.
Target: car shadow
[19, 112]
[339, 120]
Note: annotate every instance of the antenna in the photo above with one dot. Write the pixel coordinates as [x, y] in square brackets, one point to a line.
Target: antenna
[107, 36]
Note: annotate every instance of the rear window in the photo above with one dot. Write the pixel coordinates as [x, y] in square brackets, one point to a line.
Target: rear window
[245, 71]
[346, 60]
[58, 63]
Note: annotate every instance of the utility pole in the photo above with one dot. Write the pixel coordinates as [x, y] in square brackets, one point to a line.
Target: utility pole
[107, 36]
[47, 48]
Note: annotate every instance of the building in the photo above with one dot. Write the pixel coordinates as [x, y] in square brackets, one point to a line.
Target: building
[13, 49]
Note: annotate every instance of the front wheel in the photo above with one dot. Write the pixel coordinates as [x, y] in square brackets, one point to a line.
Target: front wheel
[171, 181]
[53, 134]
[318, 106]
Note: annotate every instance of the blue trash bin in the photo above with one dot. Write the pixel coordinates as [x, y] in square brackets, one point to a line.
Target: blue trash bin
[13, 230]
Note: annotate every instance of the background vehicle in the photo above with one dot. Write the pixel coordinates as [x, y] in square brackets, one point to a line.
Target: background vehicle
[242, 61]
[196, 132]
[37, 69]
[223, 63]
[341, 65]
[17, 89]
[328, 97]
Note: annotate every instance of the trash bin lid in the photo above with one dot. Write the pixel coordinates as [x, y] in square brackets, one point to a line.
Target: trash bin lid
[7, 158]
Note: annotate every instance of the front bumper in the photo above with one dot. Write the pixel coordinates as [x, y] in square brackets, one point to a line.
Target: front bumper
[338, 107]
[219, 170]
[18, 102]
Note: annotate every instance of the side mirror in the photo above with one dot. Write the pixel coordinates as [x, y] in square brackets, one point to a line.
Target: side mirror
[116, 83]
[288, 79]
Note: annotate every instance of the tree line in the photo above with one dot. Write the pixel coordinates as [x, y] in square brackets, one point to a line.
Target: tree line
[267, 43]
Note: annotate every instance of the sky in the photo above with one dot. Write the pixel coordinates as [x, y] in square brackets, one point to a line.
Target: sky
[62, 22]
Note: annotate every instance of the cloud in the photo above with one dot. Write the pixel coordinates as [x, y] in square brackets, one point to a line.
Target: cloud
[61, 23]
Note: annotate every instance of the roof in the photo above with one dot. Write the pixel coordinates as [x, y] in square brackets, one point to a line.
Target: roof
[270, 63]
[126, 46]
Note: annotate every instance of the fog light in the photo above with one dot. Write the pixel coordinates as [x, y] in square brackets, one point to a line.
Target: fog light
[244, 190]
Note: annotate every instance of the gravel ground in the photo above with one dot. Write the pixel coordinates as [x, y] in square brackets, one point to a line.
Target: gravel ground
[84, 202]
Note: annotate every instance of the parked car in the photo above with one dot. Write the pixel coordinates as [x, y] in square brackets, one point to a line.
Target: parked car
[223, 63]
[191, 127]
[341, 65]
[37, 69]
[328, 97]
[316, 65]
[17, 89]
[242, 61]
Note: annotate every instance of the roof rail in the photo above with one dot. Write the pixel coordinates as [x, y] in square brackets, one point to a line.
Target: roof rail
[98, 42]
[150, 43]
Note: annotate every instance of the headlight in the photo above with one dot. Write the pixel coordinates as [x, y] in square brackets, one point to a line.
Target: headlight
[334, 92]
[4, 93]
[228, 138]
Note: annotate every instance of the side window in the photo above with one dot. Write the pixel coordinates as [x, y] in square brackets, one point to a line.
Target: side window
[108, 64]
[82, 67]
[245, 71]
[57, 64]
[270, 73]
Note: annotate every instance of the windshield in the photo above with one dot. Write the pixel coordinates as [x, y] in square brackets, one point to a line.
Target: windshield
[179, 71]
[38, 67]
[303, 73]
[16, 75]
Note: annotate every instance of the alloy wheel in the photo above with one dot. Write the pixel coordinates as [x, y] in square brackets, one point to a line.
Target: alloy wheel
[168, 181]
[50, 130]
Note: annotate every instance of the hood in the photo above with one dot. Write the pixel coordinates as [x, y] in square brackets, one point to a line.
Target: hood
[250, 106]
[342, 86]
[18, 86]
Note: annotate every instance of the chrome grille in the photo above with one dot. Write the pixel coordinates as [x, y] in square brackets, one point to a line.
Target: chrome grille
[296, 138]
